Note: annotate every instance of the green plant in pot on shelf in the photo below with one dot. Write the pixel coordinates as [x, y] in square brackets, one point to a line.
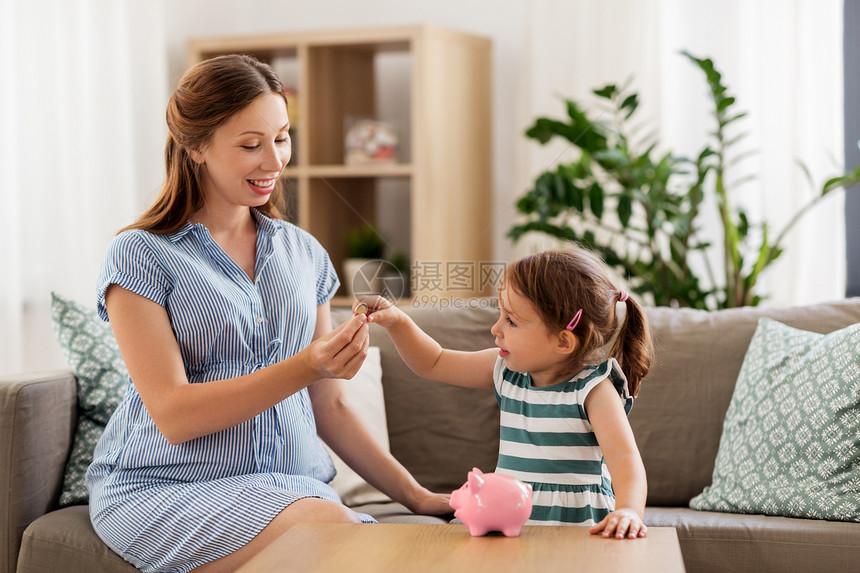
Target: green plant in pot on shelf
[364, 263]
[364, 242]
[639, 207]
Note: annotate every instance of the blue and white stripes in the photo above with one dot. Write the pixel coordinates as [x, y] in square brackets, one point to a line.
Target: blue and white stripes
[166, 507]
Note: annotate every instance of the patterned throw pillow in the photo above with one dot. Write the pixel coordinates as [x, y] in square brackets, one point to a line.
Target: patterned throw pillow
[93, 357]
[791, 437]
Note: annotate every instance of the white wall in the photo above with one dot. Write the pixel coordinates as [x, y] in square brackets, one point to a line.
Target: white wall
[542, 49]
[501, 21]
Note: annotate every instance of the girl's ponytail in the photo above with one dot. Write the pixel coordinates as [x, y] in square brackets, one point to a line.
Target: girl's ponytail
[633, 346]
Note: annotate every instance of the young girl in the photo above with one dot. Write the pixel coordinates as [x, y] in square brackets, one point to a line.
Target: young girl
[563, 399]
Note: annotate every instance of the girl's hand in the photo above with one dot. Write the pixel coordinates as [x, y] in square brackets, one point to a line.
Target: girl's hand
[379, 310]
[341, 352]
[623, 523]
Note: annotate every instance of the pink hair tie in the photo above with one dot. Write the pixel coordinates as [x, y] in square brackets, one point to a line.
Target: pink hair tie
[622, 296]
[574, 321]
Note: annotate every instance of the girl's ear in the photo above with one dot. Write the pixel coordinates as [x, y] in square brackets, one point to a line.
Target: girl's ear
[566, 342]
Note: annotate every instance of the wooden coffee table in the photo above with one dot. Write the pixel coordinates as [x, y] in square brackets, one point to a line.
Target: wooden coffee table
[378, 548]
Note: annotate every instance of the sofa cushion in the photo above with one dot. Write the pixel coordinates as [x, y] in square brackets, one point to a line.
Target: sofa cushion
[678, 416]
[90, 349]
[791, 434]
[93, 357]
[64, 540]
[712, 541]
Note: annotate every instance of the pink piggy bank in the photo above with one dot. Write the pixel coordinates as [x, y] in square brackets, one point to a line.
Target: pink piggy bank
[492, 502]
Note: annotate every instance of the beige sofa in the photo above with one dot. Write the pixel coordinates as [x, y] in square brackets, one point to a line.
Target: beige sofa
[439, 432]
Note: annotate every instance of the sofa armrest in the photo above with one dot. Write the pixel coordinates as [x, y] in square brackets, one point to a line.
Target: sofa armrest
[38, 412]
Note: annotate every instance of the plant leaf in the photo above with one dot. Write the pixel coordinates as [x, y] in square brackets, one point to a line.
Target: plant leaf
[595, 200]
[630, 103]
[625, 210]
[606, 91]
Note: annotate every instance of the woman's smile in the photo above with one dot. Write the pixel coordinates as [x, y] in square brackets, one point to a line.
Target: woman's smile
[262, 186]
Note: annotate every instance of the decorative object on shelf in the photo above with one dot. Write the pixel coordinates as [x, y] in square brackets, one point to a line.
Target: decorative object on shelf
[369, 141]
[364, 264]
[652, 230]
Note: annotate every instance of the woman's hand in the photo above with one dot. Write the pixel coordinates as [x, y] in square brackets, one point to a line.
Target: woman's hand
[622, 522]
[341, 352]
[379, 310]
[424, 502]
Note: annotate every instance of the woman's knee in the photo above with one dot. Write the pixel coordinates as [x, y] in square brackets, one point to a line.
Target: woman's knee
[306, 510]
[316, 510]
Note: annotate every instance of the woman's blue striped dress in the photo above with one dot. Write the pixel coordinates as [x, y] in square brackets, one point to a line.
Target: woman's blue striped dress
[170, 507]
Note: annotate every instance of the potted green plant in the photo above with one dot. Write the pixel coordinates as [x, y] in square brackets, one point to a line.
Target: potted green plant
[639, 207]
[364, 263]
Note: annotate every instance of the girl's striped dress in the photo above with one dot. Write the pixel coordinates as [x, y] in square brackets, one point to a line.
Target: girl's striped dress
[167, 507]
[548, 442]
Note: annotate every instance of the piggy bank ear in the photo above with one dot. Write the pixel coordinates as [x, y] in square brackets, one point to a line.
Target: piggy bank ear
[476, 478]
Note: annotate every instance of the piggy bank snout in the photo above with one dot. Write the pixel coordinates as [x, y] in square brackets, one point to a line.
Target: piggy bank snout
[456, 501]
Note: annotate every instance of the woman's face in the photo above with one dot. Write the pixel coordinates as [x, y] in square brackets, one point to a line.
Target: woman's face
[247, 153]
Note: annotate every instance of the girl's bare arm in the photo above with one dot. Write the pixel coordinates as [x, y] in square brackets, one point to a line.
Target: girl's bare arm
[428, 359]
[612, 430]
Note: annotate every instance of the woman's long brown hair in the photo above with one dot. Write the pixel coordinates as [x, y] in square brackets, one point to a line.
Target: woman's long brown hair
[559, 283]
[208, 94]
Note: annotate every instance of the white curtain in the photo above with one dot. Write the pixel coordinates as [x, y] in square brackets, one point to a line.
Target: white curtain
[83, 84]
[782, 59]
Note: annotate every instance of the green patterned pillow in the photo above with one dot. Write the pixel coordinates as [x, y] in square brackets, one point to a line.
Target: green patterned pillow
[791, 437]
[93, 357]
